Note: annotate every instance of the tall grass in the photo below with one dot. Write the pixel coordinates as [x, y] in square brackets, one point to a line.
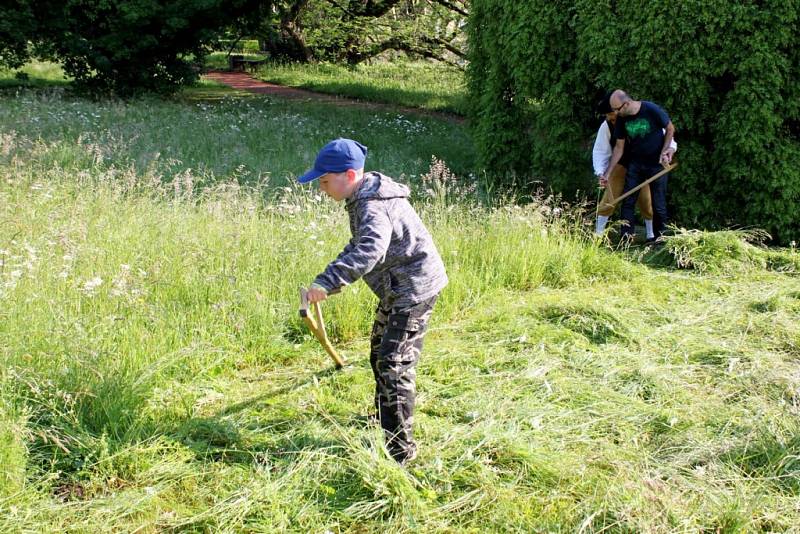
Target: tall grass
[251, 140]
[154, 375]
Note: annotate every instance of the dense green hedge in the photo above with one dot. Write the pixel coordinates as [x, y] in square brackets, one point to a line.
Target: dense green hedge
[728, 73]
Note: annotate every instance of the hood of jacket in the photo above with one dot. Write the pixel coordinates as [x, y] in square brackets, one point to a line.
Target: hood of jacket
[376, 186]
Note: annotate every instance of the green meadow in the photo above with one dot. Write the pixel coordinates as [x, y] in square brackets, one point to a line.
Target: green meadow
[155, 375]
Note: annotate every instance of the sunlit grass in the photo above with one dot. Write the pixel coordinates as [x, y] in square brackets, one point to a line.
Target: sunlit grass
[34, 74]
[414, 84]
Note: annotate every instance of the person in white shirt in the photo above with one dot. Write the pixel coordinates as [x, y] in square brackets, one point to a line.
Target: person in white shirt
[615, 184]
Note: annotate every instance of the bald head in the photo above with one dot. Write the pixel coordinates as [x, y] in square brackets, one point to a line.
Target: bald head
[619, 100]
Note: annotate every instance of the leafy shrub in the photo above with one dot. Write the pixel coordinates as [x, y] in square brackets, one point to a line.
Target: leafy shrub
[728, 73]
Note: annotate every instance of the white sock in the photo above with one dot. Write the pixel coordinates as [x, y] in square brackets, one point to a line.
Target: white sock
[648, 225]
[602, 220]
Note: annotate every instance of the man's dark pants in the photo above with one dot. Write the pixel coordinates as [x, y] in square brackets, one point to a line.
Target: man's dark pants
[396, 343]
[638, 173]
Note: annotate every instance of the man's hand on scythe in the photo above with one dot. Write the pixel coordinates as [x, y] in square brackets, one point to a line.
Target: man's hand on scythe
[666, 157]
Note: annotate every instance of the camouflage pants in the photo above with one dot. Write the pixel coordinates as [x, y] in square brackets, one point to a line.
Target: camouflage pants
[396, 343]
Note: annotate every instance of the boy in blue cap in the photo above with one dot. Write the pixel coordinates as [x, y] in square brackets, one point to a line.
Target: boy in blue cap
[395, 254]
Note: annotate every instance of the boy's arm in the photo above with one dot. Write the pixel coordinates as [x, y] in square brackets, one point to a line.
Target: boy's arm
[363, 252]
[601, 152]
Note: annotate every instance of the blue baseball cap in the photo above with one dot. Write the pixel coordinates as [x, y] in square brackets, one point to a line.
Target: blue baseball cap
[337, 156]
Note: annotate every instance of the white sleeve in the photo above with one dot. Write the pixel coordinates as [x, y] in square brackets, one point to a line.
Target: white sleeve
[601, 153]
[672, 144]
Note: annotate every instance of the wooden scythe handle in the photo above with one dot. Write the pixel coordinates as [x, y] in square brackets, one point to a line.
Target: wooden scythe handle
[653, 178]
[317, 327]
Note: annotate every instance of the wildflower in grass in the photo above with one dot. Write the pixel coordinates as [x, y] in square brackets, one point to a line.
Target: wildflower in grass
[11, 283]
[536, 422]
[90, 286]
[67, 266]
[119, 286]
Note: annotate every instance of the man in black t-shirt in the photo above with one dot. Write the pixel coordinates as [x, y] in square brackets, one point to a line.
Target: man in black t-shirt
[647, 131]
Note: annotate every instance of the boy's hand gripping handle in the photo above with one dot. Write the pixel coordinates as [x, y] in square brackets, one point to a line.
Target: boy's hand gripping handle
[316, 324]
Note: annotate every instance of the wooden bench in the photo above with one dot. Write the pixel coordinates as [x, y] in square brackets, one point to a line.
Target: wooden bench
[239, 63]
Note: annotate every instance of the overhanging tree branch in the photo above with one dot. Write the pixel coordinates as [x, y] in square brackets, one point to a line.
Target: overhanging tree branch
[452, 7]
[396, 43]
[434, 41]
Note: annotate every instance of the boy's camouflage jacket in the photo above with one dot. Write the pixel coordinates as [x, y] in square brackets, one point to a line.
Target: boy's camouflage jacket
[390, 247]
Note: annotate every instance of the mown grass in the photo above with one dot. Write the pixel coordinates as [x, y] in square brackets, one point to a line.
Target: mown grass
[155, 375]
[413, 84]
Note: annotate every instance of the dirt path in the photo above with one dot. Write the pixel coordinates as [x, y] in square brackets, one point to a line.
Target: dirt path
[244, 82]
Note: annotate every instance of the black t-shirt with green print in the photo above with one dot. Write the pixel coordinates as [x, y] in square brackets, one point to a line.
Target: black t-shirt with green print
[643, 133]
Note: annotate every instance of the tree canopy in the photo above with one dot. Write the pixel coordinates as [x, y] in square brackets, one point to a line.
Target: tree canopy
[119, 45]
[351, 31]
[127, 45]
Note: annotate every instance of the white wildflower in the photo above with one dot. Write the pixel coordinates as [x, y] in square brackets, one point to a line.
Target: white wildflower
[90, 285]
[536, 422]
